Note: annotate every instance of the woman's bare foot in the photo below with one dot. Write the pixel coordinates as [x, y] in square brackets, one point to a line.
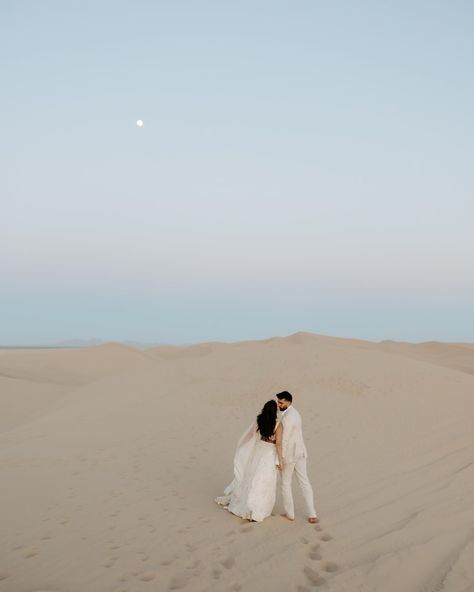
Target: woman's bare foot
[313, 519]
[287, 517]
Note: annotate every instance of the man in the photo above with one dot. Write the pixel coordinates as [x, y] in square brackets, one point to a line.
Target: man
[294, 459]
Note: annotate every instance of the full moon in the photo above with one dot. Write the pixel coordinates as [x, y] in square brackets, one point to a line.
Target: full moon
[140, 123]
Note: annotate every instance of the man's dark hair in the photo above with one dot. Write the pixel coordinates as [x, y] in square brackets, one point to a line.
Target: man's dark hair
[285, 395]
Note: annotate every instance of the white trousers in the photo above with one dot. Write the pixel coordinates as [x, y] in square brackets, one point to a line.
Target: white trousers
[299, 467]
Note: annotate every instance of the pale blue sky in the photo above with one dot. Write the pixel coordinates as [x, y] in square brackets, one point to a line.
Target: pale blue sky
[303, 166]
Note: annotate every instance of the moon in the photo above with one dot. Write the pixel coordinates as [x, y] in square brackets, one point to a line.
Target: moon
[139, 123]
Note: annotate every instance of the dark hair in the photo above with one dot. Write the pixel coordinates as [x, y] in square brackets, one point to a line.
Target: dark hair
[285, 395]
[267, 419]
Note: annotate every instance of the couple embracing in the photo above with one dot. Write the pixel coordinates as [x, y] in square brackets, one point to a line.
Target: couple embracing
[272, 444]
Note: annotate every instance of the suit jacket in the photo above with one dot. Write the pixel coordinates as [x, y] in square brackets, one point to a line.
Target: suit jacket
[293, 446]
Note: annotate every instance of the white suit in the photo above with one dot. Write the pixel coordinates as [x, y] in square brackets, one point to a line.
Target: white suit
[294, 460]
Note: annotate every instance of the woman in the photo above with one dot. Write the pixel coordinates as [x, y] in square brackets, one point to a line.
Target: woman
[258, 457]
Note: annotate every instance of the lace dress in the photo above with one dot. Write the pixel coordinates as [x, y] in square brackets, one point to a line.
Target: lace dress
[253, 495]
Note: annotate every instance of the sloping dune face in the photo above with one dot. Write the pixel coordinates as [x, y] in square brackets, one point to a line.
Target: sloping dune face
[31, 380]
[452, 355]
[111, 458]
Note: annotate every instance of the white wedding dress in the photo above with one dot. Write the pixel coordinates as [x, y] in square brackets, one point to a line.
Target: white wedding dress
[252, 493]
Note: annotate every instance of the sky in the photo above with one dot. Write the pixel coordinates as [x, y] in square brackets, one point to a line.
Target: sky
[303, 166]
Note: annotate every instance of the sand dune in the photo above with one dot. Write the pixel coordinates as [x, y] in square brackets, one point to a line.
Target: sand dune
[32, 380]
[451, 355]
[68, 366]
[111, 458]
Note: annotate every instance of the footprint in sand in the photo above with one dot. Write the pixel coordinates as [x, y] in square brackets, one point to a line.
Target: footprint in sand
[304, 540]
[31, 553]
[216, 573]
[246, 528]
[177, 582]
[3, 575]
[228, 563]
[325, 536]
[166, 562]
[329, 566]
[313, 577]
[195, 567]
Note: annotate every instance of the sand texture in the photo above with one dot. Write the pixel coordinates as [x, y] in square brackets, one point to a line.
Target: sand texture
[111, 457]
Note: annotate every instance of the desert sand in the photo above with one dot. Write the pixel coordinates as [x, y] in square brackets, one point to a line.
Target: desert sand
[111, 457]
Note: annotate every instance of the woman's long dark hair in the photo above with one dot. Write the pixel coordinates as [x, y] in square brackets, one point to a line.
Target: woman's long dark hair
[267, 419]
